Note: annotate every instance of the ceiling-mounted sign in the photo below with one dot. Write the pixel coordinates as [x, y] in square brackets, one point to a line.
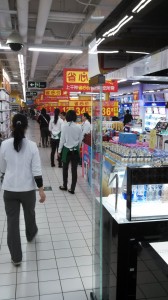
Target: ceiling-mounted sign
[34, 84]
[56, 93]
[29, 101]
[76, 80]
[28, 94]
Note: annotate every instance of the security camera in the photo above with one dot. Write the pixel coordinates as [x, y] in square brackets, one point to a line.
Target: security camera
[14, 41]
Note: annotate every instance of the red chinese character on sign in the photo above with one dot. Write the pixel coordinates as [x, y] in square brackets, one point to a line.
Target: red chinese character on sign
[83, 77]
[71, 77]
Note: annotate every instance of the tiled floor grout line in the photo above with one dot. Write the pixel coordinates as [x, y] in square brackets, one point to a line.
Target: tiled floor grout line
[55, 256]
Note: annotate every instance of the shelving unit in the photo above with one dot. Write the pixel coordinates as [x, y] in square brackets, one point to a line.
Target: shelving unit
[5, 114]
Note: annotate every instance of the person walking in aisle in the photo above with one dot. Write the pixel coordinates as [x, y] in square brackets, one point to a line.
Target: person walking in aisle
[86, 125]
[44, 120]
[55, 129]
[63, 116]
[21, 166]
[71, 138]
[128, 117]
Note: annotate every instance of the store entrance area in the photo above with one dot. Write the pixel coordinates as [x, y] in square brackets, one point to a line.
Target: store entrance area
[58, 263]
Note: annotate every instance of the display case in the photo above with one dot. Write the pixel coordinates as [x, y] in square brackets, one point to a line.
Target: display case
[147, 193]
[119, 256]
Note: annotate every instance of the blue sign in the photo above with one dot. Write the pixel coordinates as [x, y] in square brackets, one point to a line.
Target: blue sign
[154, 104]
[29, 101]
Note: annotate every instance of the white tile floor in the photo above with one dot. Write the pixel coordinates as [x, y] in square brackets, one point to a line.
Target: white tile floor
[57, 265]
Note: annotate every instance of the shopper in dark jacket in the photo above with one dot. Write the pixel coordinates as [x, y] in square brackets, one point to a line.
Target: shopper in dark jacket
[44, 120]
[127, 118]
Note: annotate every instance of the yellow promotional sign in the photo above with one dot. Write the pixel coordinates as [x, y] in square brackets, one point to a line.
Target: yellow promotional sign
[55, 92]
[76, 76]
[152, 139]
[79, 103]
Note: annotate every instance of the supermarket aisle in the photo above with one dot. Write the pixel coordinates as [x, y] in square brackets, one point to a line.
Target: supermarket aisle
[57, 265]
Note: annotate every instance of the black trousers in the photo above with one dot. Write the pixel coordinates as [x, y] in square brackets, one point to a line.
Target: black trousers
[13, 200]
[54, 148]
[44, 136]
[73, 158]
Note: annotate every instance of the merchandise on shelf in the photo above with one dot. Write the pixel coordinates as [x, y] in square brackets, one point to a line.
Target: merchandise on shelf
[153, 115]
[5, 115]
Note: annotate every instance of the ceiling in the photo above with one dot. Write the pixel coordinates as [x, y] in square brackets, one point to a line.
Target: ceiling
[146, 31]
[74, 23]
[51, 23]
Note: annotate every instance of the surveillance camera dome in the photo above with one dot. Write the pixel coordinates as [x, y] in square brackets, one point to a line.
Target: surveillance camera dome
[15, 41]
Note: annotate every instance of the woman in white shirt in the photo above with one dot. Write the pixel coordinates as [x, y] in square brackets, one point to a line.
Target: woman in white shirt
[70, 142]
[55, 129]
[86, 125]
[21, 166]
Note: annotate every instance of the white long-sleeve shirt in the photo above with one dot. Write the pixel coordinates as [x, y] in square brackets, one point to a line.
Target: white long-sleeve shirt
[55, 128]
[86, 128]
[71, 136]
[19, 167]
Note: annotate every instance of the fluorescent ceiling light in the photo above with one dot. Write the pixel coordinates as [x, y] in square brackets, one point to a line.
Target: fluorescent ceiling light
[22, 73]
[101, 51]
[107, 52]
[14, 82]
[121, 25]
[140, 6]
[115, 27]
[122, 80]
[136, 82]
[55, 50]
[97, 17]
[137, 52]
[4, 47]
[16, 76]
[98, 42]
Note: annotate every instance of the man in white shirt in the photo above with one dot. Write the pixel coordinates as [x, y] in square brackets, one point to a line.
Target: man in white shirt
[71, 138]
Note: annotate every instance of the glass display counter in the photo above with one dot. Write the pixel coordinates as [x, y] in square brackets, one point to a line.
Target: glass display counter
[117, 249]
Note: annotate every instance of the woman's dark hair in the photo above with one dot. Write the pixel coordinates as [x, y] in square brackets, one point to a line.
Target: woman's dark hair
[43, 111]
[63, 113]
[56, 114]
[71, 116]
[86, 115]
[19, 124]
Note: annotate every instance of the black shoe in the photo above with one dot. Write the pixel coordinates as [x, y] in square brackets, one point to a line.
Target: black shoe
[52, 165]
[30, 239]
[72, 192]
[62, 188]
[59, 166]
[16, 264]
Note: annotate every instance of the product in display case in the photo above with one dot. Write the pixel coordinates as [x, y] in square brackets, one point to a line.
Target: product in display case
[147, 193]
[161, 127]
[5, 115]
[153, 115]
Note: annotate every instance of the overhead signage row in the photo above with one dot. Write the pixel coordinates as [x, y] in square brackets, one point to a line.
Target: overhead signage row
[35, 84]
[32, 94]
[76, 80]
